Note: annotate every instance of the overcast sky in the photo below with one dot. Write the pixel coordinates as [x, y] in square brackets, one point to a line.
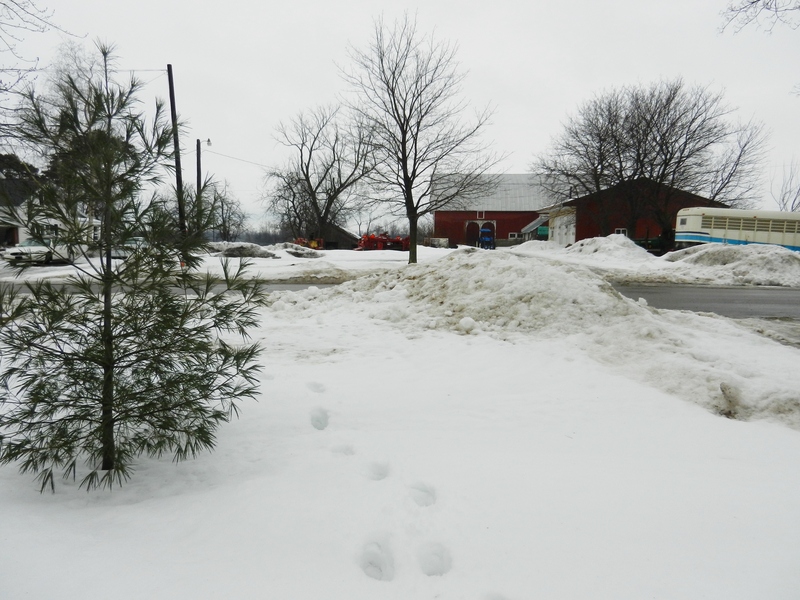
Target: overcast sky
[243, 66]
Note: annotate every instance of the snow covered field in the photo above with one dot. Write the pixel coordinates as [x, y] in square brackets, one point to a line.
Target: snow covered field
[484, 425]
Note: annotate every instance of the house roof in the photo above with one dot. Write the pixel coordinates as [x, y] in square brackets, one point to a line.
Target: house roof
[643, 185]
[515, 192]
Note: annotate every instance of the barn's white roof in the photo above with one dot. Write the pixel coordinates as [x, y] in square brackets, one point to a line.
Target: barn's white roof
[515, 192]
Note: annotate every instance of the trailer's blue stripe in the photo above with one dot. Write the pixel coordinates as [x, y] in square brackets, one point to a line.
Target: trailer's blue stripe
[691, 236]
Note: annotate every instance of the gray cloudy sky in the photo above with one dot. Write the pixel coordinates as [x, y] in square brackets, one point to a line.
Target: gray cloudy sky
[242, 66]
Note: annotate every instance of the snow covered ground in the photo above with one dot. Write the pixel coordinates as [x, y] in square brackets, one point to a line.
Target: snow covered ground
[483, 425]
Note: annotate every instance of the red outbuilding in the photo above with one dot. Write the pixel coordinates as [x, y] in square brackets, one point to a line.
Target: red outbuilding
[643, 210]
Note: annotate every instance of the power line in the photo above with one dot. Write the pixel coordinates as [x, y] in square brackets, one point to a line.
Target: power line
[235, 158]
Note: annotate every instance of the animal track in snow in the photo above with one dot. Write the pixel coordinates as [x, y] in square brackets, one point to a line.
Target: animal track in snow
[376, 562]
[422, 494]
[377, 471]
[319, 418]
[315, 386]
[434, 559]
[345, 449]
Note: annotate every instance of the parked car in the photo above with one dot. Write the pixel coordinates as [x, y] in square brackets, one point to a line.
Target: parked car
[43, 251]
[128, 248]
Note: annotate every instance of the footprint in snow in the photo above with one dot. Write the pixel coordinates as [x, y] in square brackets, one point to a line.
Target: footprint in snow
[377, 471]
[319, 418]
[422, 494]
[376, 561]
[315, 386]
[344, 449]
[434, 559]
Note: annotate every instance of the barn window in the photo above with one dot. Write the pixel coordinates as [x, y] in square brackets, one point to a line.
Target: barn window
[621, 231]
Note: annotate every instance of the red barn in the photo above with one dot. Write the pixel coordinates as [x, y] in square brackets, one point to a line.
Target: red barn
[642, 210]
[515, 203]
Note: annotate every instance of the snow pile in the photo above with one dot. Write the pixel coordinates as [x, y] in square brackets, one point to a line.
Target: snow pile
[296, 250]
[513, 297]
[240, 250]
[470, 291]
[618, 259]
[537, 246]
[613, 246]
[248, 250]
[614, 249]
[498, 292]
[753, 264]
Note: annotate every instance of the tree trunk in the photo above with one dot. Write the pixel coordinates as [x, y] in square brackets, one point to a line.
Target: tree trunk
[107, 401]
[412, 239]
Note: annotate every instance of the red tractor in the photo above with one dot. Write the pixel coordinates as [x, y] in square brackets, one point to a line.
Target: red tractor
[383, 242]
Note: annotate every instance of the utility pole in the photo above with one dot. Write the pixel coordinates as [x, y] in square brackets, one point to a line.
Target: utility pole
[198, 204]
[176, 142]
[198, 172]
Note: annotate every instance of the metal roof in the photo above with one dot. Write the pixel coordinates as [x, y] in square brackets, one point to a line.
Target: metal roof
[535, 224]
[516, 192]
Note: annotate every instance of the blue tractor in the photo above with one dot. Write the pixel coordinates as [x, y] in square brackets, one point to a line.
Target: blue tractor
[486, 238]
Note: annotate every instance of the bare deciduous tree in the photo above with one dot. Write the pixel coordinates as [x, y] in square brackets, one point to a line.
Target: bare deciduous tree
[330, 158]
[289, 203]
[428, 155]
[788, 196]
[678, 137]
[229, 218]
[771, 12]
[218, 211]
[17, 19]
[587, 157]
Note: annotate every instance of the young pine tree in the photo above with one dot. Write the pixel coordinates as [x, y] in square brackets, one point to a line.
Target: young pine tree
[142, 356]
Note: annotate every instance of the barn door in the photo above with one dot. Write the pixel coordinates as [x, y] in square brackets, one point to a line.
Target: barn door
[472, 234]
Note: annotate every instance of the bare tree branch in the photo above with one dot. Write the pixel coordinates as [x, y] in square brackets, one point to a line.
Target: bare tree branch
[788, 195]
[769, 12]
[17, 19]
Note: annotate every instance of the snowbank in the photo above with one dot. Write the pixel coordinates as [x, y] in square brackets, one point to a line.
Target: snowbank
[754, 264]
[617, 258]
[240, 250]
[703, 359]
